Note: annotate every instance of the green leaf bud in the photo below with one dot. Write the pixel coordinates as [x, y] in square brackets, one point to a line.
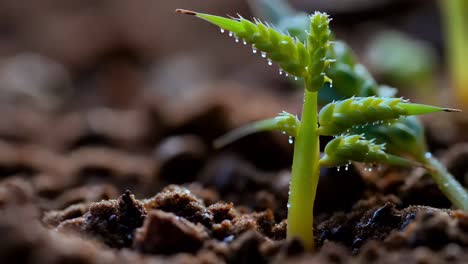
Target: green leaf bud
[318, 42]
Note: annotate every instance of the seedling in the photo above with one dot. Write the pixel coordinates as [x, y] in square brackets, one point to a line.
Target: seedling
[405, 136]
[308, 61]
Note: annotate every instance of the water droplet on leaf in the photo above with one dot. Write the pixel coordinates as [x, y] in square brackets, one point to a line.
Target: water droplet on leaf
[254, 49]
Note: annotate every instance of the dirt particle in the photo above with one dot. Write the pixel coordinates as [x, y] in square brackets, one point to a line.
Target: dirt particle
[166, 233]
[181, 202]
[114, 221]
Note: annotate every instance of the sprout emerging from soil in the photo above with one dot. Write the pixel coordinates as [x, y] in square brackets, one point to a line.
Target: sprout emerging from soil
[308, 61]
[403, 136]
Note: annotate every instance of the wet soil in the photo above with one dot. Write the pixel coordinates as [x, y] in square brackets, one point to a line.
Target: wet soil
[144, 185]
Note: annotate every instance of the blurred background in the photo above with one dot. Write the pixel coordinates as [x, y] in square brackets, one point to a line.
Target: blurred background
[134, 77]
[81, 53]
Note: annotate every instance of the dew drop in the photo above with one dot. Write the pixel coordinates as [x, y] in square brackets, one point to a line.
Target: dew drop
[244, 42]
[338, 168]
[237, 40]
[290, 140]
[270, 62]
[254, 49]
[428, 155]
[286, 74]
[221, 30]
[295, 78]
[289, 205]
[280, 72]
[230, 34]
[264, 54]
[228, 239]
[346, 167]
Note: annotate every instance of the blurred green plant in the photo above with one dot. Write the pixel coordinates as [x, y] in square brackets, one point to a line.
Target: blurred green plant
[403, 61]
[455, 17]
[308, 60]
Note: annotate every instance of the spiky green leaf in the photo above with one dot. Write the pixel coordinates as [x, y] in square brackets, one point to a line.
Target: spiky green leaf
[342, 116]
[344, 149]
[318, 42]
[306, 61]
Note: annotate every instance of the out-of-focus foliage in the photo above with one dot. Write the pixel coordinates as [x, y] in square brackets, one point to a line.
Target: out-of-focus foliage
[456, 24]
[401, 60]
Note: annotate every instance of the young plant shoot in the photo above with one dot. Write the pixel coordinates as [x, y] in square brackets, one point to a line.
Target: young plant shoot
[405, 136]
[308, 61]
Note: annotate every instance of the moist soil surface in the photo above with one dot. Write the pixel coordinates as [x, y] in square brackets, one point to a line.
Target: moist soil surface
[144, 185]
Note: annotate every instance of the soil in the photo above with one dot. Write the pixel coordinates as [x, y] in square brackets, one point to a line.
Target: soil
[94, 192]
[101, 163]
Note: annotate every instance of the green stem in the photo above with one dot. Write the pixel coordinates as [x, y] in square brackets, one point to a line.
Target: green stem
[304, 175]
[452, 189]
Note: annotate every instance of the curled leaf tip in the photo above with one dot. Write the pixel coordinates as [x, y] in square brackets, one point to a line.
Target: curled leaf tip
[452, 110]
[186, 12]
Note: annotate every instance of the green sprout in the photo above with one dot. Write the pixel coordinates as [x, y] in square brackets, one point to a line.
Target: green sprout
[404, 136]
[308, 60]
[455, 14]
